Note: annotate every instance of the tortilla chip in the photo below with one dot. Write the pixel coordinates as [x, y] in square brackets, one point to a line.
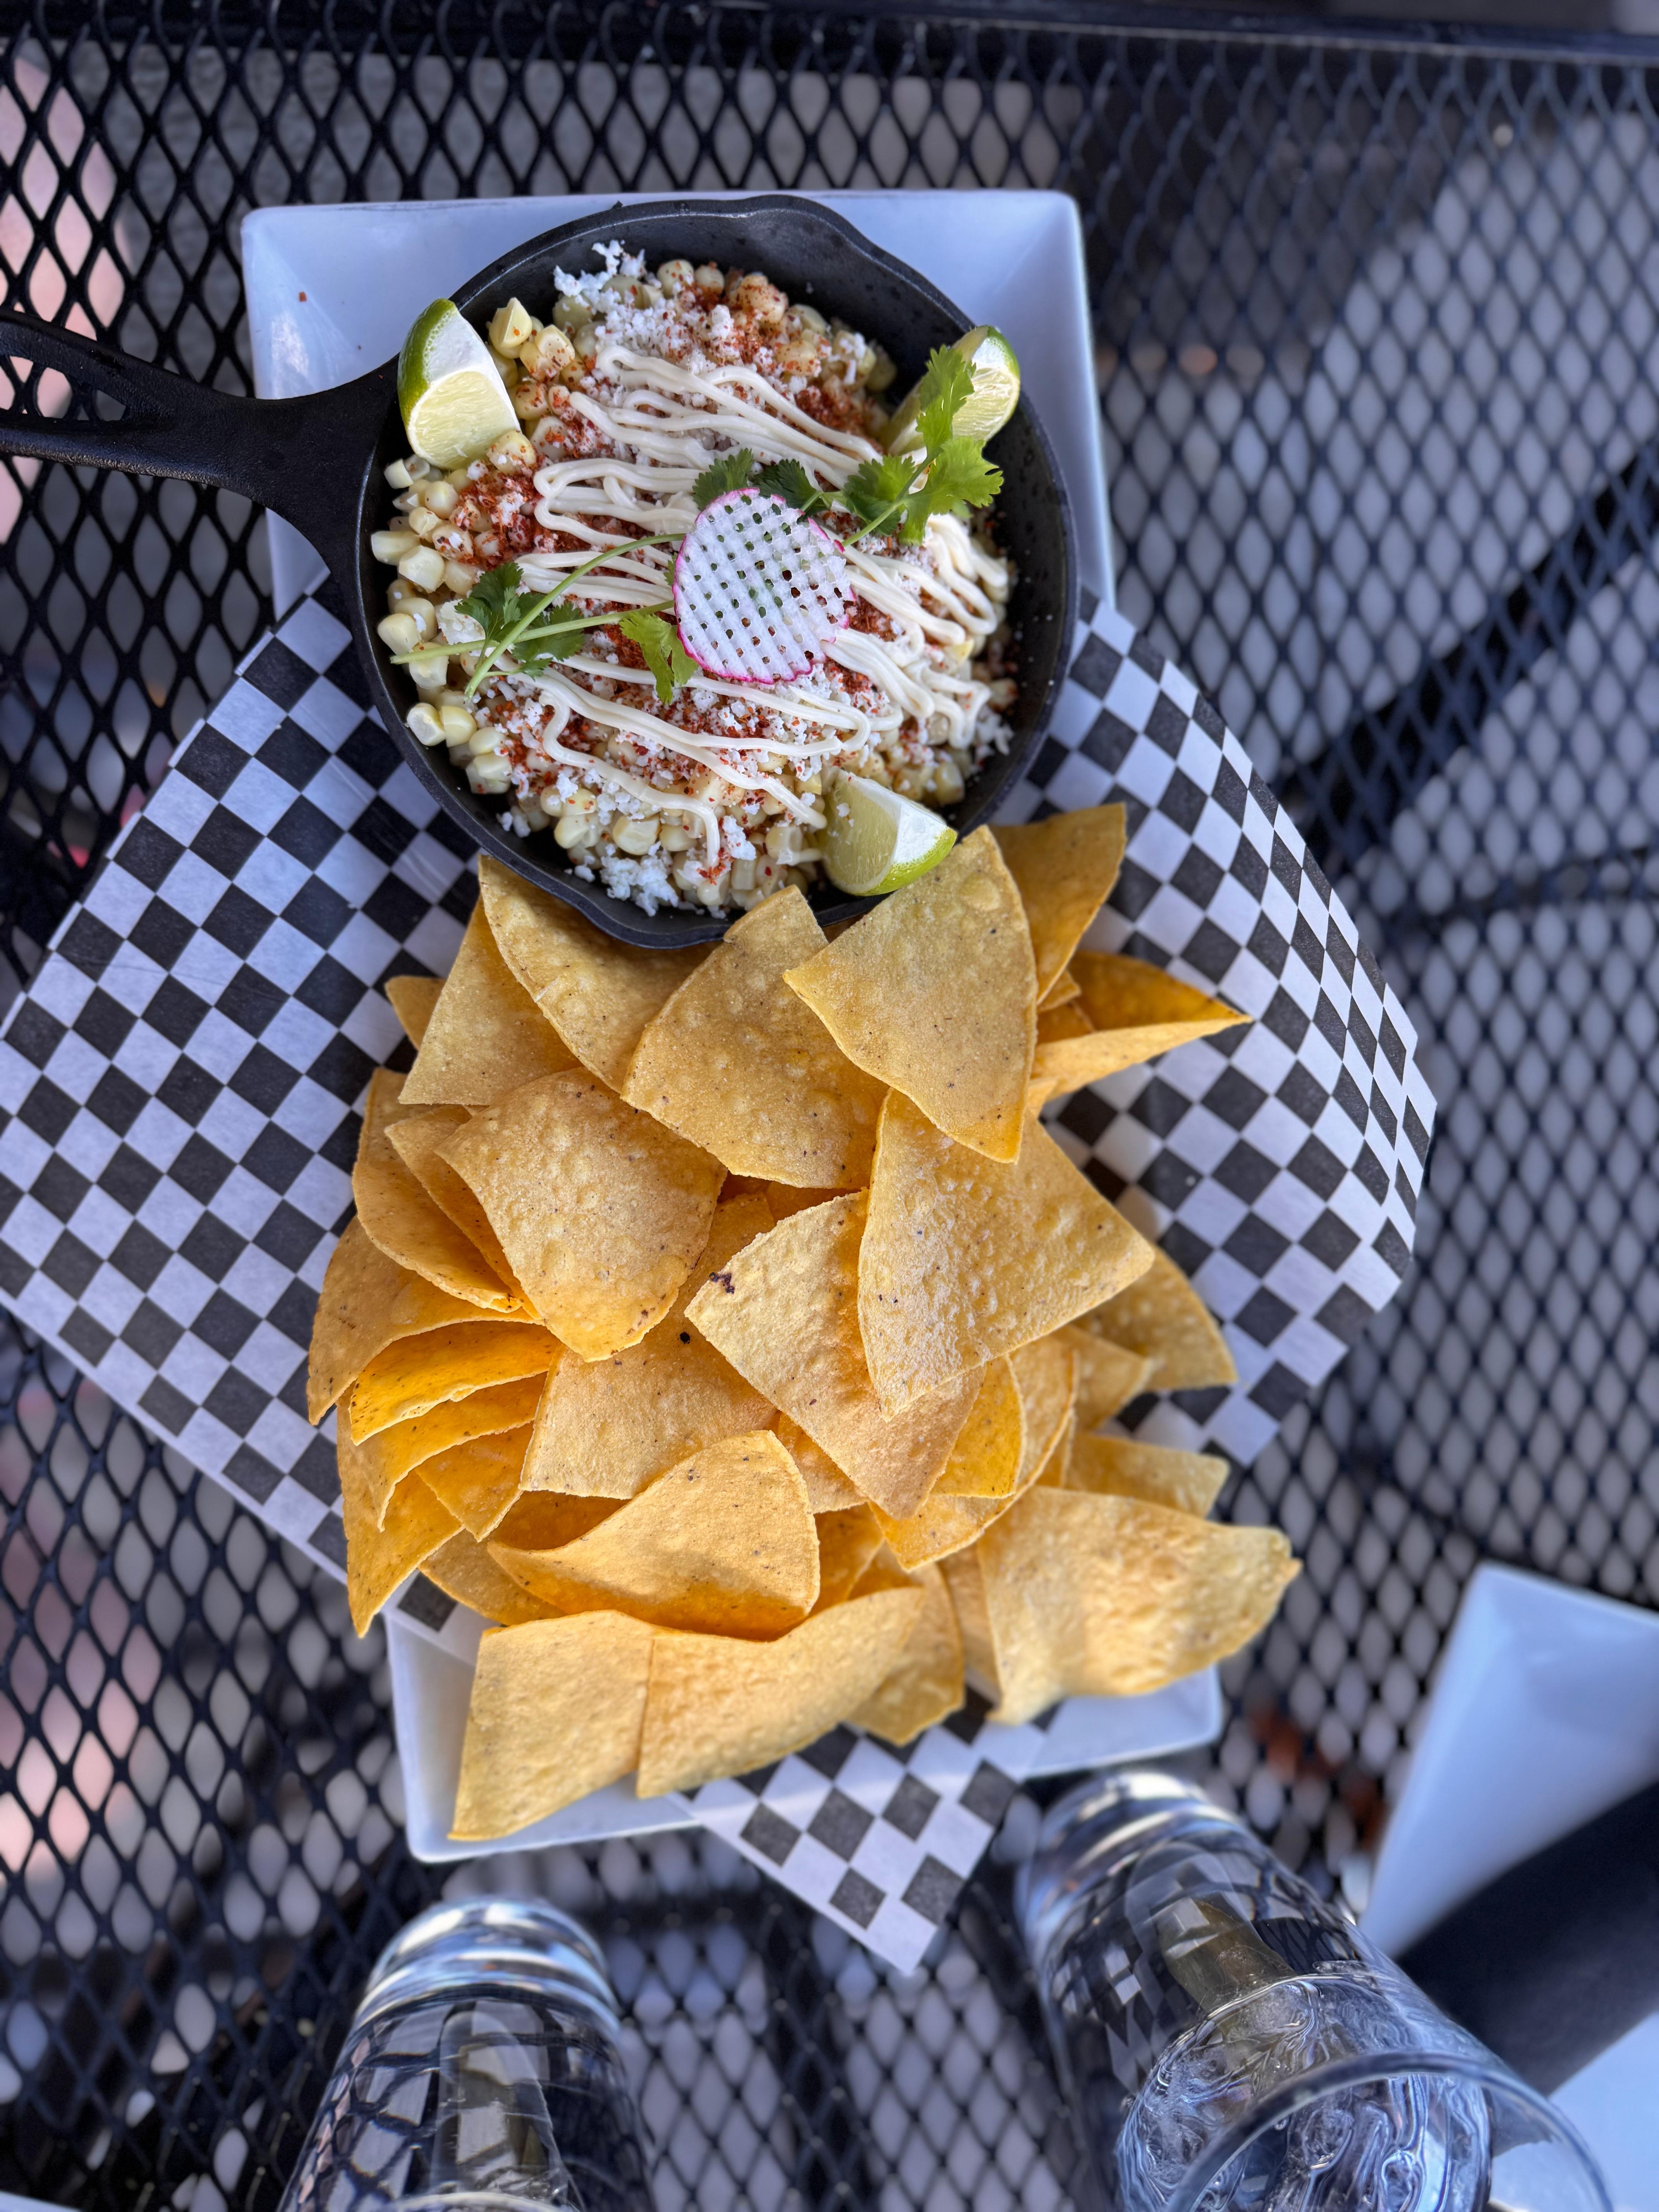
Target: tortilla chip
[724, 1544]
[412, 1376]
[1119, 993]
[597, 992]
[938, 1526]
[1060, 993]
[784, 1199]
[555, 1713]
[926, 1681]
[1065, 867]
[381, 1549]
[848, 1542]
[391, 1454]
[606, 1426]
[1164, 1320]
[1046, 1375]
[462, 1569]
[966, 1586]
[934, 992]
[884, 1573]
[719, 1704]
[397, 1213]
[599, 1210]
[1056, 1024]
[419, 1143]
[545, 1520]
[1051, 1474]
[1108, 1376]
[413, 998]
[737, 1063]
[478, 1480]
[785, 1312]
[985, 1460]
[1089, 1597]
[485, 1035]
[1113, 1466]
[367, 1301]
[827, 1490]
[1135, 1012]
[965, 1258]
[1008, 1450]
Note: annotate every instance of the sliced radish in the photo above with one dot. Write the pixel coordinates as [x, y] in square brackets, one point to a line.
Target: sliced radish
[759, 591]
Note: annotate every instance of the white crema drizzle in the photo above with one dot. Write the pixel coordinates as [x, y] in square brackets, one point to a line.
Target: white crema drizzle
[666, 420]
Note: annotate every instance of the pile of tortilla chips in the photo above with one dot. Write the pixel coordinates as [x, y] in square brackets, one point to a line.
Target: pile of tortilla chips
[725, 1324]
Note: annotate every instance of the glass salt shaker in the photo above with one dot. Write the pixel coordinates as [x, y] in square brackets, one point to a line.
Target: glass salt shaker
[1229, 2042]
[482, 2070]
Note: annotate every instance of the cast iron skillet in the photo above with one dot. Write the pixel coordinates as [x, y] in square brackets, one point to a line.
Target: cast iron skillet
[319, 461]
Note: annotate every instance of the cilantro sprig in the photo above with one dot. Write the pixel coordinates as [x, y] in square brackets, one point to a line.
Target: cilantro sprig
[506, 615]
[947, 474]
[941, 476]
[659, 641]
[511, 617]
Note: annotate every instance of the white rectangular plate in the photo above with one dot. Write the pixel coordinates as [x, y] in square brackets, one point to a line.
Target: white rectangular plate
[430, 1691]
[331, 291]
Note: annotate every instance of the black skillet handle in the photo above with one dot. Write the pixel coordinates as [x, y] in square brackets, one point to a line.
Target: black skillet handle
[304, 459]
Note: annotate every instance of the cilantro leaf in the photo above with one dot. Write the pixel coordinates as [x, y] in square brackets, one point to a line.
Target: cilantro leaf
[664, 656]
[958, 476]
[493, 602]
[787, 480]
[537, 647]
[730, 472]
[876, 488]
[947, 382]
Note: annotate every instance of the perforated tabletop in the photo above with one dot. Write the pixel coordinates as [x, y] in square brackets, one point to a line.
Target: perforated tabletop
[1377, 342]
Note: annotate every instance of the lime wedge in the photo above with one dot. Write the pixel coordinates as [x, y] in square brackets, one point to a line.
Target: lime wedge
[994, 397]
[877, 841]
[451, 391]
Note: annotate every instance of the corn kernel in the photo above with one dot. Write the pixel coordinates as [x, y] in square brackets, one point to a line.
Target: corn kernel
[513, 454]
[548, 352]
[423, 567]
[509, 326]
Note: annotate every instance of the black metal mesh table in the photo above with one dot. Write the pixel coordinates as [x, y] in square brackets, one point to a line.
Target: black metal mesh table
[1377, 330]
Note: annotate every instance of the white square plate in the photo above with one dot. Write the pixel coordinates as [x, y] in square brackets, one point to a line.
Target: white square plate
[1545, 1712]
[331, 291]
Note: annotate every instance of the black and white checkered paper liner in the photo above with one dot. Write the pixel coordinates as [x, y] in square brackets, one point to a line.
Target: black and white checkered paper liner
[880, 1840]
[178, 1089]
[1280, 1164]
